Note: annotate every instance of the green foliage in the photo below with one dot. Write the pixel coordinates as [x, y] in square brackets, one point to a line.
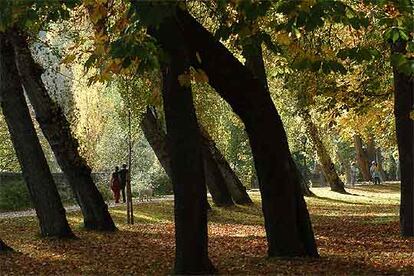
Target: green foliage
[14, 196]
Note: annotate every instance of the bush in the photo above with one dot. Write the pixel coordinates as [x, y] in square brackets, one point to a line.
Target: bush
[162, 185]
[14, 196]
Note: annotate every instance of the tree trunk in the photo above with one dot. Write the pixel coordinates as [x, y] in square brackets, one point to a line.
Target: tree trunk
[253, 53]
[327, 166]
[4, 247]
[362, 158]
[346, 166]
[184, 148]
[379, 159]
[371, 153]
[287, 223]
[403, 105]
[234, 185]
[156, 137]
[42, 189]
[57, 131]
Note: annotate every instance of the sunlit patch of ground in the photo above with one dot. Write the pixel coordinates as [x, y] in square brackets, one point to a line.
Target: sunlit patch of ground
[356, 234]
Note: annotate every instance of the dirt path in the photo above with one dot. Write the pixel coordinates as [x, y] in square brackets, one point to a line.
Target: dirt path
[74, 208]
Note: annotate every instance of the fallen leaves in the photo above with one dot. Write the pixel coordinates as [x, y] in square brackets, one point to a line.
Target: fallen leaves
[356, 234]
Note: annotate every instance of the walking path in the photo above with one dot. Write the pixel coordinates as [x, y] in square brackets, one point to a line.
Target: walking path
[74, 208]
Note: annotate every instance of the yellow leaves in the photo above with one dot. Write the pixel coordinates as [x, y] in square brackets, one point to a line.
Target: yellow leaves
[193, 75]
[97, 13]
[412, 115]
[68, 59]
[283, 38]
[305, 5]
[185, 79]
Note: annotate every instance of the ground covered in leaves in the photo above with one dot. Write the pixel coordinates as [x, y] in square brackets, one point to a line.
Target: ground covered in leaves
[356, 234]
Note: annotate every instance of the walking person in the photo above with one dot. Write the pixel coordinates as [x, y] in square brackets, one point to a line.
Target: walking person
[375, 173]
[123, 178]
[115, 184]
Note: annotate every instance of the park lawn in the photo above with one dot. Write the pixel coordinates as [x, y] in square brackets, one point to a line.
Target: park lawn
[356, 234]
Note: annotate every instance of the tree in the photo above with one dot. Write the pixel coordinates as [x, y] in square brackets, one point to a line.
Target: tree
[57, 131]
[156, 137]
[287, 224]
[404, 121]
[220, 178]
[183, 141]
[39, 180]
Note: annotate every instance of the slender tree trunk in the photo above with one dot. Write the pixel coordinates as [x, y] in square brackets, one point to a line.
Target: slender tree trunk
[253, 53]
[327, 166]
[184, 147]
[39, 180]
[362, 158]
[287, 223]
[371, 153]
[4, 247]
[57, 131]
[346, 166]
[379, 159]
[234, 185]
[156, 137]
[403, 105]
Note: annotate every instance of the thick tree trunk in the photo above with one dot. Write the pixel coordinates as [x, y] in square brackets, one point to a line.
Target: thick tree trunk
[327, 166]
[4, 247]
[39, 180]
[362, 158]
[371, 153]
[287, 223]
[253, 53]
[403, 105]
[57, 131]
[156, 137]
[184, 148]
[234, 185]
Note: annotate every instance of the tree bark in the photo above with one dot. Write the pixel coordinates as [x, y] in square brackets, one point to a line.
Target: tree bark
[235, 186]
[57, 131]
[184, 148]
[327, 166]
[39, 180]
[346, 166]
[403, 105]
[362, 158]
[156, 137]
[288, 228]
[253, 53]
[4, 247]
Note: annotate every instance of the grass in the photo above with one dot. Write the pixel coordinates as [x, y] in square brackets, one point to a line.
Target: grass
[356, 234]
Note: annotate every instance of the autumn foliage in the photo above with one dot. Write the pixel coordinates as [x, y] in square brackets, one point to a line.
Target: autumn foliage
[356, 234]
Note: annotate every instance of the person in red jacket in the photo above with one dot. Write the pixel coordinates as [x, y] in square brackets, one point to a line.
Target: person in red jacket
[116, 184]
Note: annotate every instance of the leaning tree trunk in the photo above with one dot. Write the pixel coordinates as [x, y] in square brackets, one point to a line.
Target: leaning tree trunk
[327, 166]
[380, 160]
[362, 158]
[253, 53]
[4, 247]
[288, 228]
[183, 142]
[57, 131]
[39, 180]
[346, 166]
[156, 137]
[235, 186]
[403, 108]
